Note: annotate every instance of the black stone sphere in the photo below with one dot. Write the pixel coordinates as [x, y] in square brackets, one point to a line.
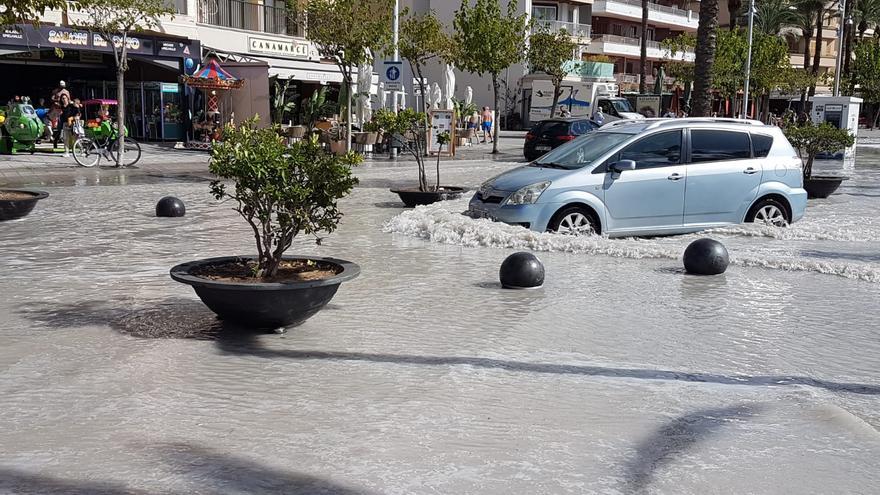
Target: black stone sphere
[706, 257]
[521, 271]
[169, 206]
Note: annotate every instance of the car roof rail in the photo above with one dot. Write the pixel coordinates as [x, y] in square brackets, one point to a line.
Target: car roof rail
[702, 120]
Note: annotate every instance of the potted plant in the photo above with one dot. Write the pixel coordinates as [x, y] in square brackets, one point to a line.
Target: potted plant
[809, 140]
[408, 131]
[17, 203]
[280, 192]
[336, 138]
[372, 129]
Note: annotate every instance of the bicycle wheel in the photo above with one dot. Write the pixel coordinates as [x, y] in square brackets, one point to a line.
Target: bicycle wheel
[132, 152]
[85, 152]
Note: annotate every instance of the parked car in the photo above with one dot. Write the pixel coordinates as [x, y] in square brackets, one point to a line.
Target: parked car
[653, 177]
[552, 133]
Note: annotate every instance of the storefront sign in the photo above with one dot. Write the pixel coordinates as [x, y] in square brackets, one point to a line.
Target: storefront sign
[281, 48]
[41, 37]
[170, 88]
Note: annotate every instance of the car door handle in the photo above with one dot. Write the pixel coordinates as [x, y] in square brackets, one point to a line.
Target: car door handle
[750, 171]
[675, 177]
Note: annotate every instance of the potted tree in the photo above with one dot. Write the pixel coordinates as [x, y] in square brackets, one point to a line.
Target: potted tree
[17, 203]
[280, 192]
[407, 130]
[809, 140]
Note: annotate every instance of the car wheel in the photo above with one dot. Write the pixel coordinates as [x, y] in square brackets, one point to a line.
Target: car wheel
[574, 220]
[769, 212]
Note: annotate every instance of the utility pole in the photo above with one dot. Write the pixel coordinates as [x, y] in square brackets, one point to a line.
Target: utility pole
[745, 113]
[395, 26]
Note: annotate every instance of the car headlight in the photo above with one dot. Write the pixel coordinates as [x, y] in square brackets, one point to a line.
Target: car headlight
[527, 195]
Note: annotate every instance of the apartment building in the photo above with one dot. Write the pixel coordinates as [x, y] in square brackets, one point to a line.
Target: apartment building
[617, 35]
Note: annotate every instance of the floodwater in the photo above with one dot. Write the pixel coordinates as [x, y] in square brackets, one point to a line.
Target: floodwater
[620, 375]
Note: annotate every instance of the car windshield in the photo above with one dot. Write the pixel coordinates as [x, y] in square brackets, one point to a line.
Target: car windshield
[582, 151]
[622, 106]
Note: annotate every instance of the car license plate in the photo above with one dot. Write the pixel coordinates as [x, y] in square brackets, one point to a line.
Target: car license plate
[542, 148]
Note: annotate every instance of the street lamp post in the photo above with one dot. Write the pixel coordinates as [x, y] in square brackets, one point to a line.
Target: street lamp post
[394, 30]
[841, 35]
[745, 113]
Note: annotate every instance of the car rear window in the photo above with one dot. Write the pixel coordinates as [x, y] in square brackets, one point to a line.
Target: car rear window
[761, 145]
[713, 146]
[581, 127]
[553, 128]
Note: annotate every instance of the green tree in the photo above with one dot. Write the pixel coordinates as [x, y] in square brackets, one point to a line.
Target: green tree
[551, 54]
[19, 11]
[488, 41]
[674, 49]
[422, 40]
[810, 140]
[866, 15]
[866, 72]
[282, 103]
[775, 17]
[407, 130]
[115, 21]
[280, 191]
[705, 58]
[350, 33]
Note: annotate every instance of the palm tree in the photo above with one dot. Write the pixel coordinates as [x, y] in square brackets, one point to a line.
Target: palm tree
[866, 15]
[803, 20]
[817, 54]
[643, 56]
[776, 17]
[705, 59]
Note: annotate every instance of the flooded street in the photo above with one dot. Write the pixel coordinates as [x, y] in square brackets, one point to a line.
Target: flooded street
[621, 375]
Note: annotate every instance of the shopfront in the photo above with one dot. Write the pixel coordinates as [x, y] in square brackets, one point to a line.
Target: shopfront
[155, 104]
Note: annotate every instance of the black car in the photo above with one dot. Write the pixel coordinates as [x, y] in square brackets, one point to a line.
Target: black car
[551, 133]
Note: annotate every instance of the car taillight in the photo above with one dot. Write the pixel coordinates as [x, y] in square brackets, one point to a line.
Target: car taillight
[530, 136]
[565, 138]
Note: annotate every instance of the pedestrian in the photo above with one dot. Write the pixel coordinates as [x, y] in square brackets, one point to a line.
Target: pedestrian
[487, 125]
[69, 115]
[563, 112]
[60, 91]
[599, 117]
[802, 119]
[60, 112]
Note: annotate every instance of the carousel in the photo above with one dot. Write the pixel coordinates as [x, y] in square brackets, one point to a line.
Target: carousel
[213, 85]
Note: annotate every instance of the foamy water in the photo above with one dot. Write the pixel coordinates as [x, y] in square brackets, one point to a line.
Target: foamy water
[444, 223]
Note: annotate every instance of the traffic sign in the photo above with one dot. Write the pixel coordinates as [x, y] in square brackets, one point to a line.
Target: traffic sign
[391, 75]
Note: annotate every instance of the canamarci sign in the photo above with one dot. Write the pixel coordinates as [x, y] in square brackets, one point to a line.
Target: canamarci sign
[282, 48]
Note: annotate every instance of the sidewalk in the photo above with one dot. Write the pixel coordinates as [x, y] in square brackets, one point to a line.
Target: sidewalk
[163, 162]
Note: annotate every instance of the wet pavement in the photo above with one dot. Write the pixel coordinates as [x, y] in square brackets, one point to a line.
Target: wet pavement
[620, 375]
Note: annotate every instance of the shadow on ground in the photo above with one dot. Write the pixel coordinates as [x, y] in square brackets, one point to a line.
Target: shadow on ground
[208, 470]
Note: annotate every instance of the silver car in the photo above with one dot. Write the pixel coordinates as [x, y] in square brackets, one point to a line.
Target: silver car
[653, 177]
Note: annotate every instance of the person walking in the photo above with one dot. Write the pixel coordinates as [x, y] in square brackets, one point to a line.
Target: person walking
[599, 117]
[59, 113]
[59, 92]
[487, 125]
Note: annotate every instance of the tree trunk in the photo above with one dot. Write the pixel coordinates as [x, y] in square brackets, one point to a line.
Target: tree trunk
[876, 117]
[733, 8]
[817, 53]
[120, 114]
[705, 59]
[766, 108]
[643, 54]
[439, 151]
[848, 33]
[807, 36]
[495, 85]
[557, 89]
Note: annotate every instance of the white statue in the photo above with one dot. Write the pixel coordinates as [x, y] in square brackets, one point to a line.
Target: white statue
[401, 97]
[468, 96]
[436, 96]
[450, 86]
[382, 96]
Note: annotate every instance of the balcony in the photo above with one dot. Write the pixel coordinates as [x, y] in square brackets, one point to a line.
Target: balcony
[660, 15]
[574, 29]
[620, 46]
[239, 14]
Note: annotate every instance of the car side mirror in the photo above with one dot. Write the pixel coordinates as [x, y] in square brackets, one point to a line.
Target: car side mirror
[621, 165]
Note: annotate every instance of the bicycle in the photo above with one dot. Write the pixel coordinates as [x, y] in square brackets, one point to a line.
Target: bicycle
[88, 151]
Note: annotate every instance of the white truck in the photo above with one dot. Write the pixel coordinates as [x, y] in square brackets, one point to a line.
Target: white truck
[581, 99]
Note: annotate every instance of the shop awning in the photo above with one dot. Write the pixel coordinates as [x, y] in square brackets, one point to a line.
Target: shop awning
[306, 75]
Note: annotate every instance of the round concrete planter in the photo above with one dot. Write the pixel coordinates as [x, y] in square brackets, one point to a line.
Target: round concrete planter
[10, 209]
[819, 186]
[265, 305]
[412, 197]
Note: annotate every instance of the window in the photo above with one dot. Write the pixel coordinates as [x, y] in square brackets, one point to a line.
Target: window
[582, 127]
[544, 12]
[583, 151]
[708, 146]
[657, 150]
[761, 144]
[553, 128]
[631, 32]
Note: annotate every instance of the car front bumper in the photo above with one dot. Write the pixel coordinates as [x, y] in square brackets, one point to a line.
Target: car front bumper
[535, 216]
